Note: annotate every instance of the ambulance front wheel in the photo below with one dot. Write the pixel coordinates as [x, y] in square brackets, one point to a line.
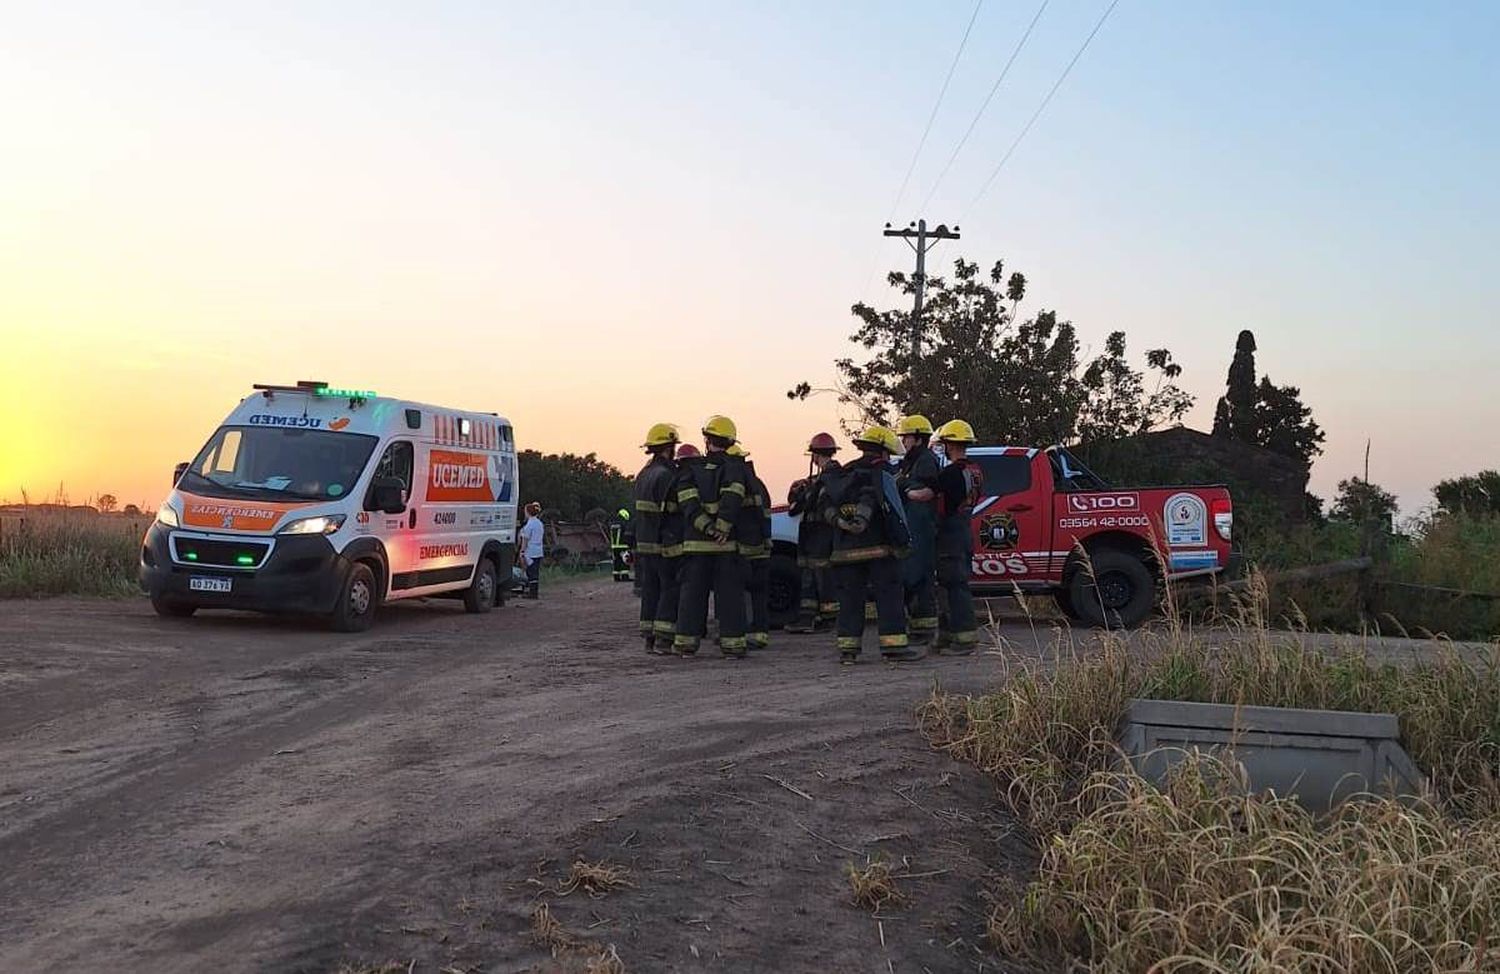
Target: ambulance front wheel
[355, 609]
[480, 595]
[170, 609]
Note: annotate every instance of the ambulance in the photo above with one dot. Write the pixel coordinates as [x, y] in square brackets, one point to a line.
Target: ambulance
[325, 501]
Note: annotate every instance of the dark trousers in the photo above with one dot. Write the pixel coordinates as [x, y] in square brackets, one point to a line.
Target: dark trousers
[881, 576]
[919, 569]
[659, 594]
[955, 557]
[758, 585]
[534, 578]
[723, 575]
[820, 597]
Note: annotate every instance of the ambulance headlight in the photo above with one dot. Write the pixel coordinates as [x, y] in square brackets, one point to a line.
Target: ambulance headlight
[322, 524]
[166, 515]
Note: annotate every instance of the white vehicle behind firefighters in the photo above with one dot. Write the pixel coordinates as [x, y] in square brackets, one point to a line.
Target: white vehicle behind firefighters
[325, 501]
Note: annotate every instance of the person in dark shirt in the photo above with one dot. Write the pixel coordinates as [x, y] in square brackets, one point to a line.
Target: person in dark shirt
[957, 491]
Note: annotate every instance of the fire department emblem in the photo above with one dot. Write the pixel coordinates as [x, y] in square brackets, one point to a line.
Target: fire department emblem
[999, 532]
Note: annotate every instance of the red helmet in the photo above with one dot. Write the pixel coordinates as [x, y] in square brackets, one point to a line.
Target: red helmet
[687, 450]
[823, 443]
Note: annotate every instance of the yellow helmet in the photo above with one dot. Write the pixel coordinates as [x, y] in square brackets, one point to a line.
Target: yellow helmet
[914, 425]
[660, 434]
[735, 450]
[881, 437]
[722, 427]
[956, 431]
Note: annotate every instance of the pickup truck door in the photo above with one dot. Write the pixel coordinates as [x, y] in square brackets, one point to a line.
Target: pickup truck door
[1012, 522]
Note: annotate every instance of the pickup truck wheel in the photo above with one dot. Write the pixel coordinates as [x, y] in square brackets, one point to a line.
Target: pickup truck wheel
[784, 591]
[480, 595]
[1063, 598]
[1118, 593]
[355, 610]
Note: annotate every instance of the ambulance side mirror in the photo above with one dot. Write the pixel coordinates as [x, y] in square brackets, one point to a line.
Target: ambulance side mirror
[178, 471]
[388, 495]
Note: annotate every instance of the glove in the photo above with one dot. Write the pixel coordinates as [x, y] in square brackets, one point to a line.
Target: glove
[853, 525]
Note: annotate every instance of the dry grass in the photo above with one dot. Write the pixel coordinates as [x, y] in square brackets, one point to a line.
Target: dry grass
[873, 885]
[595, 878]
[1049, 725]
[1203, 877]
[388, 968]
[547, 931]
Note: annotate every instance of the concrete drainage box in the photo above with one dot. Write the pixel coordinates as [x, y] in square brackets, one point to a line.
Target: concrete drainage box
[1320, 756]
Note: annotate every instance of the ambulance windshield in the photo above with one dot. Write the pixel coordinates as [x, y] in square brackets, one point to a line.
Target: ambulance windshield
[273, 463]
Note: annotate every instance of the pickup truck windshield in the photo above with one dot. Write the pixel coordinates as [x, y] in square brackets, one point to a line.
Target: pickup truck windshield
[278, 464]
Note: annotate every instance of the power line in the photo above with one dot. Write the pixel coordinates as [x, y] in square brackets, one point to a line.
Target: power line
[1042, 107]
[985, 105]
[906, 180]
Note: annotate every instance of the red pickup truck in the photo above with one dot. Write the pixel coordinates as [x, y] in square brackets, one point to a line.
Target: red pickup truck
[1043, 519]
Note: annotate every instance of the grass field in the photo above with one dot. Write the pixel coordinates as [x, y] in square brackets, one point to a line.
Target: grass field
[69, 553]
[1202, 876]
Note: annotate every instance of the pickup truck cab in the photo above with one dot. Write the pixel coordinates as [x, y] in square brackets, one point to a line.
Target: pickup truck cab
[1044, 523]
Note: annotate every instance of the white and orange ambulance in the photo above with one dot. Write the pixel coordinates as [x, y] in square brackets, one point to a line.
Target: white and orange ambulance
[312, 499]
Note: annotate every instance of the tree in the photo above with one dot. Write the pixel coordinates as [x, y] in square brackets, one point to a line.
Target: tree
[1264, 413]
[1475, 494]
[1284, 425]
[568, 485]
[1235, 414]
[1015, 381]
[106, 503]
[132, 510]
[1362, 502]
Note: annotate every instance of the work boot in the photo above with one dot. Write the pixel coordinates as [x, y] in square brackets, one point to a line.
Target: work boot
[963, 644]
[685, 646]
[757, 640]
[650, 640]
[733, 647]
[903, 654]
[848, 657]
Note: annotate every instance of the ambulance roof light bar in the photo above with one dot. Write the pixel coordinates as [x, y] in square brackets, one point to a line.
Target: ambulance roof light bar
[321, 389]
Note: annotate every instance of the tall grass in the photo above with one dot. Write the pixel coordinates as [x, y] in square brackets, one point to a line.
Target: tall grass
[1204, 876]
[68, 554]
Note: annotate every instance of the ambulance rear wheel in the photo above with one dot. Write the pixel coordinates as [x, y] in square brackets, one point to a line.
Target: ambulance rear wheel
[480, 595]
[171, 609]
[355, 611]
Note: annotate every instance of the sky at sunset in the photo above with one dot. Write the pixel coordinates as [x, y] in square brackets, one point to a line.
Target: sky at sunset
[594, 216]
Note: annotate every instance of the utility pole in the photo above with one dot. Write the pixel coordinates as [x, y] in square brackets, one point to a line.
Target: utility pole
[920, 239]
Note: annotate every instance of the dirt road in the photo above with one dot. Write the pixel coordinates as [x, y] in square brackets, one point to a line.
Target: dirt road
[236, 793]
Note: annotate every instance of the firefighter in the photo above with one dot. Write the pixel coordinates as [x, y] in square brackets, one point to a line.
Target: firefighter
[754, 543]
[958, 491]
[916, 482]
[710, 499]
[860, 503]
[621, 538]
[818, 600]
[654, 570]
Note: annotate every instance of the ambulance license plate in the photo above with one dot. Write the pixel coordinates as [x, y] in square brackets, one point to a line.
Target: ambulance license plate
[204, 584]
